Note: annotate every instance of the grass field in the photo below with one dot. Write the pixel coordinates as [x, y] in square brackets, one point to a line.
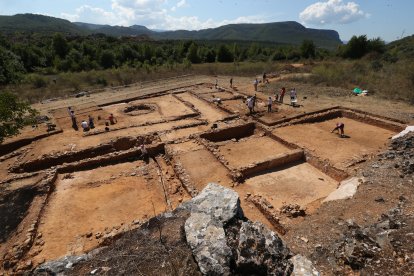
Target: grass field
[386, 80]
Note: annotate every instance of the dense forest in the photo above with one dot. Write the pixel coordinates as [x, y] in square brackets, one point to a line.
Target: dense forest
[52, 54]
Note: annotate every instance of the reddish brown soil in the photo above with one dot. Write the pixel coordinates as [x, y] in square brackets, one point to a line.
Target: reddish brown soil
[363, 140]
[208, 112]
[203, 168]
[107, 199]
[97, 201]
[299, 184]
[251, 150]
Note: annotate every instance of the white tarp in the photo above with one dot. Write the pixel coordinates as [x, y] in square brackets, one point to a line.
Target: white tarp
[404, 132]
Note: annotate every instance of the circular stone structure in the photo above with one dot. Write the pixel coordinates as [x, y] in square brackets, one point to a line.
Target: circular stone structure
[139, 109]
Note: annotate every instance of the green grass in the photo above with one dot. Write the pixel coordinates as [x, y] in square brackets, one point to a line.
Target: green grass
[385, 80]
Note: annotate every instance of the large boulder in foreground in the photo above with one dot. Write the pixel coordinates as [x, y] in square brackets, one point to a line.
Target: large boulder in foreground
[224, 242]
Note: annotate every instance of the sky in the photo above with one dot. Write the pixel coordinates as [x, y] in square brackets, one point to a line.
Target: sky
[388, 19]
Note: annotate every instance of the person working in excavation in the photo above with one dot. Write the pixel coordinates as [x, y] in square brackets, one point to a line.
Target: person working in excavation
[340, 128]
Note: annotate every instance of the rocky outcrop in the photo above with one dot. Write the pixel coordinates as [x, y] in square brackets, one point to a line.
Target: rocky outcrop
[261, 251]
[210, 211]
[303, 267]
[224, 243]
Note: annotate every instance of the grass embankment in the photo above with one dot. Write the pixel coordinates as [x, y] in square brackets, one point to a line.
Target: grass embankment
[37, 87]
[386, 80]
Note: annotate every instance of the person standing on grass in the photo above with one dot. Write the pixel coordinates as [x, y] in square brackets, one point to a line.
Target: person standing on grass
[282, 94]
[269, 105]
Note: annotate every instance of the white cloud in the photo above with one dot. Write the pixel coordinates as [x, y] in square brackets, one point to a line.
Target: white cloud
[181, 3]
[90, 14]
[153, 14]
[332, 11]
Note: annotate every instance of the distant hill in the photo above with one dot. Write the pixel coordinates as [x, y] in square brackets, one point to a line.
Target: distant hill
[280, 32]
[38, 23]
[402, 48]
[289, 32]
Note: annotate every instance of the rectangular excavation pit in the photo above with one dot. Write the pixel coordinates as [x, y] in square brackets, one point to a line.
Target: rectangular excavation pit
[256, 153]
[362, 140]
[58, 145]
[223, 95]
[247, 150]
[235, 106]
[207, 111]
[89, 205]
[181, 133]
[145, 111]
[298, 183]
[235, 132]
[64, 120]
[197, 166]
[48, 161]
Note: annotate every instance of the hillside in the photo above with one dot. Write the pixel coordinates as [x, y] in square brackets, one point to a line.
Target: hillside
[281, 32]
[289, 32]
[403, 48]
[38, 23]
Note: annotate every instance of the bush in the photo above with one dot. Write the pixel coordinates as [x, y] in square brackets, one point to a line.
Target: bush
[37, 81]
[14, 114]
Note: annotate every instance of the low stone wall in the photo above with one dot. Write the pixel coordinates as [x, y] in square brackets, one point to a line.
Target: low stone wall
[278, 161]
[47, 161]
[237, 132]
[306, 116]
[268, 211]
[325, 167]
[108, 159]
[9, 147]
[373, 120]
[27, 234]
[337, 112]
[181, 173]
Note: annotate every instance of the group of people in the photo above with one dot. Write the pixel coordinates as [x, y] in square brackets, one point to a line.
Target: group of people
[251, 103]
[280, 96]
[87, 124]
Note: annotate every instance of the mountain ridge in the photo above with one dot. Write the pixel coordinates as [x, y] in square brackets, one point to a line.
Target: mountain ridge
[287, 32]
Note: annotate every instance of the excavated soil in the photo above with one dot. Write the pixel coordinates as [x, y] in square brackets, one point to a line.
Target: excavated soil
[251, 150]
[97, 201]
[68, 192]
[361, 140]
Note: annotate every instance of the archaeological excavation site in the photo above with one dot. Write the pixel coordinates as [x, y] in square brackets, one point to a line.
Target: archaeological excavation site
[67, 192]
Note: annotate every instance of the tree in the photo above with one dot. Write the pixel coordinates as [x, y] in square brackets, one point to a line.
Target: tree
[357, 47]
[14, 114]
[11, 67]
[60, 45]
[224, 54]
[376, 45]
[308, 49]
[107, 59]
[192, 54]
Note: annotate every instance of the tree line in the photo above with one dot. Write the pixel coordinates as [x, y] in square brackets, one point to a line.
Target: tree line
[52, 54]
